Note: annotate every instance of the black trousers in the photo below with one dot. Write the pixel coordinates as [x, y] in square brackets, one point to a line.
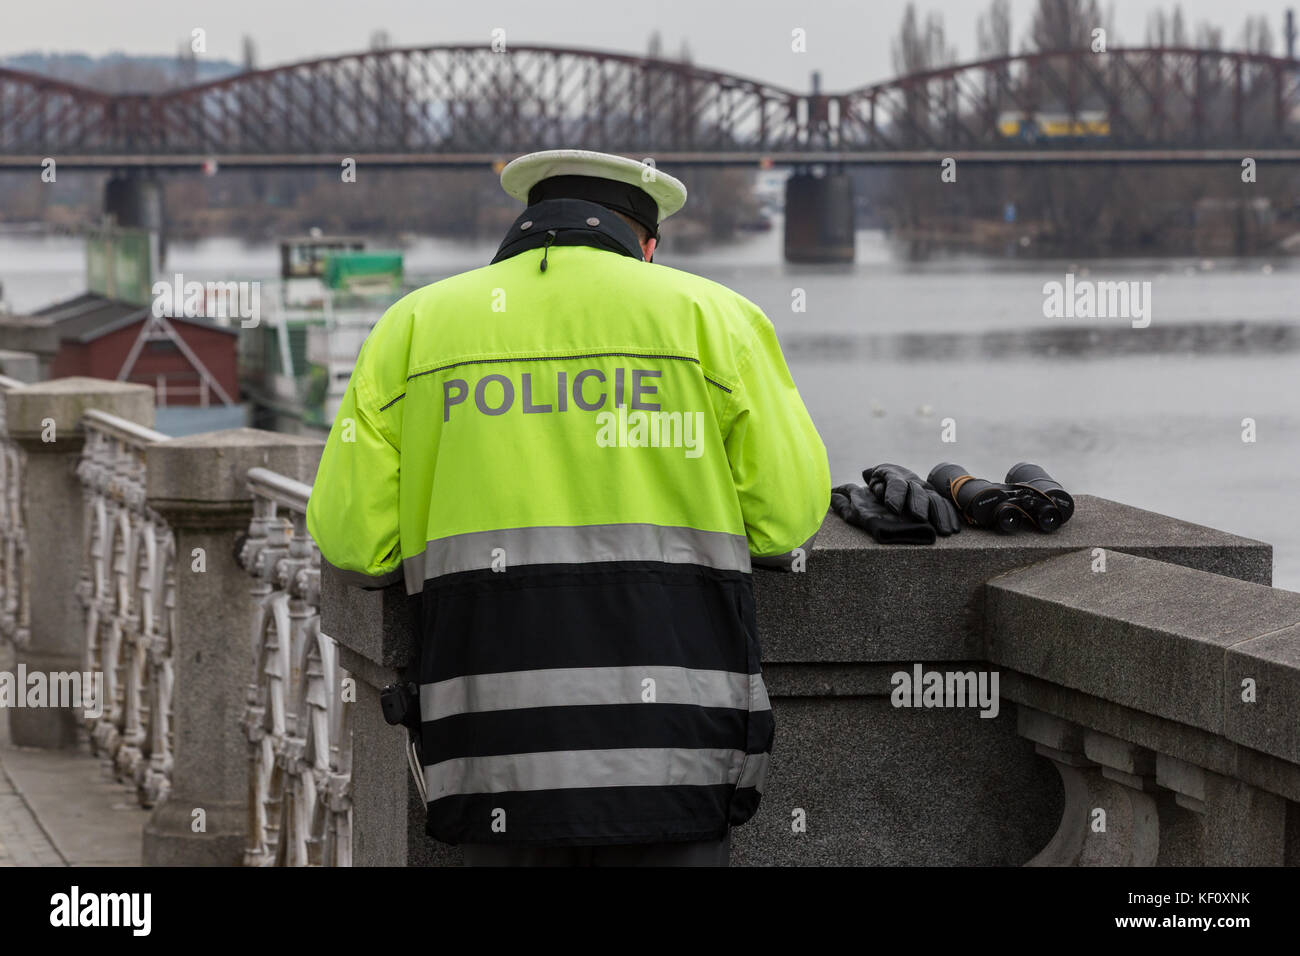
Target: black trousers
[704, 853]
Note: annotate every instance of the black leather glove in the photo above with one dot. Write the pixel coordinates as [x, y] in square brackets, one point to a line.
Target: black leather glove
[905, 493]
[859, 507]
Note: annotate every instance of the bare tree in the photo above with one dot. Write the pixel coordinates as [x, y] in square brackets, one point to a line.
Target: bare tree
[1208, 36]
[1257, 35]
[1157, 28]
[187, 64]
[920, 47]
[1065, 24]
[1165, 30]
[993, 30]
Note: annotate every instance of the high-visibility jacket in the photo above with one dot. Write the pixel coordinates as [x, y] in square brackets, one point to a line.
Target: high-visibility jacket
[573, 466]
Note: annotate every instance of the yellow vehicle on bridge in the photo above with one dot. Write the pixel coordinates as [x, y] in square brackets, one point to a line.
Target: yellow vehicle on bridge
[1040, 127]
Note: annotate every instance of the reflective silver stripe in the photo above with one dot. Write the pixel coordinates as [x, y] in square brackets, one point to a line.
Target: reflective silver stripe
[581, 686]
[754, 772]
[579, 544]
[562, 769]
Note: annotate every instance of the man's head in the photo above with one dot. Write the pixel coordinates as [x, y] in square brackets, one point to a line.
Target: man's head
[648, 241]
[638, 193]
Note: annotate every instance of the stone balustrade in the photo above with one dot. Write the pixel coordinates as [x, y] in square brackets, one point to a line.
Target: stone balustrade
[15, 573]
[128, 592]
[1141, 678]
[44, 426]
[299, 700]
[1167, 698]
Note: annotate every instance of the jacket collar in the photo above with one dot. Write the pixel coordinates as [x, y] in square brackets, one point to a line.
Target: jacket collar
[568, 222]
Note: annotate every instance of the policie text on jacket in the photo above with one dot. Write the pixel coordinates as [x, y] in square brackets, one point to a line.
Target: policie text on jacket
[638, 422]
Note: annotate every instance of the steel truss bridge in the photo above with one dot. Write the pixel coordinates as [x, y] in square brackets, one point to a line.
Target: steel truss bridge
[460, 105]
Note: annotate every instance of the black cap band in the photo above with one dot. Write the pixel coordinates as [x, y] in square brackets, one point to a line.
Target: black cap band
[637, 204]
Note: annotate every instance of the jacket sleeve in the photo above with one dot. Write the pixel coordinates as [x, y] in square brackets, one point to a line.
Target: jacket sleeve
[353, 510]
[778, 461]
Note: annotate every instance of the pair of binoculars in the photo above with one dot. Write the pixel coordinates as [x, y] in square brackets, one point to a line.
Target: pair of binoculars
[1029, 497]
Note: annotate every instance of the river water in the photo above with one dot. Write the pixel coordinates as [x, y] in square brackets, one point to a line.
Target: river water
[885, 350]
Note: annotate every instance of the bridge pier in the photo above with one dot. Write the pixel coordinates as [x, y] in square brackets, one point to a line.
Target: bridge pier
[135, 200]
[819, 217]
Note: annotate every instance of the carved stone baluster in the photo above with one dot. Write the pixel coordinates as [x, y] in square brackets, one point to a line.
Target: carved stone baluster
[1231, 823]
[15, 576]
[260, 753]
[338, 793]
[1110, 816]
[130, 755]
[275, 673]
[117, 585]
[9, 523]
[114, 657]
[298, 719]
[300, 784]
[22, 561]
[157, 783]
[93, 583]
[133, 760]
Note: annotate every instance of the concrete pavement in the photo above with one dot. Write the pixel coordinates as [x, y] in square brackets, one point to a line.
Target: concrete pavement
[59, 808]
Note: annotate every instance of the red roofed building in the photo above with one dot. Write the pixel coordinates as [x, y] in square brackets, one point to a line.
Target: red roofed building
[187, 361]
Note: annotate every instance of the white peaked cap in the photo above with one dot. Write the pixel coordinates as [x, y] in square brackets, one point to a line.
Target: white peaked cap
[522, 174]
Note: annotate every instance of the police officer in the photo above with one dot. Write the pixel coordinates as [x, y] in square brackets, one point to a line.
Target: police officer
[575, 456]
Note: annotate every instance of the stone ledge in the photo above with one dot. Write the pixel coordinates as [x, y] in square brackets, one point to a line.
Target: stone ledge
[376, 625]
[64, 400]
[863, 601]
[23, 366]
[1272, 722]
[200, 472]
[1158, 638]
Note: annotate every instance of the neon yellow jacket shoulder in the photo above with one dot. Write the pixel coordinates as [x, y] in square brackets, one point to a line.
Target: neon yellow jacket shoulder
[603, 391]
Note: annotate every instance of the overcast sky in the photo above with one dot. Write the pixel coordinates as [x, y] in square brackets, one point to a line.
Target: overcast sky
[848, 40]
